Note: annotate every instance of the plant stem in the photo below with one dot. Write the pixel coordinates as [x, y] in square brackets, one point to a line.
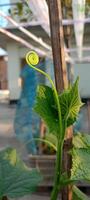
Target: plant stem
[40, 140]
[55, 93]
[60, 136]
[58, 172]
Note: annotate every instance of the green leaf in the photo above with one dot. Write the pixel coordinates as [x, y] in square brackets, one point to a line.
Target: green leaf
[19, 8]
[65, 180]
[45, 107]
[81, 140]
[52, 138]
[16, 179]
[70, 103]
[78, 194]
[80, 164]
[81, 157]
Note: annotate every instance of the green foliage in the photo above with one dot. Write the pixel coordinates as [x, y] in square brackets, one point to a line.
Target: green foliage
[46, 106]
[81, 164]
[59, 111]
[78, 195]
[16, 179]
[53, 139]
[70, 104]
[81, 140]
[81, 158]
[21, 10]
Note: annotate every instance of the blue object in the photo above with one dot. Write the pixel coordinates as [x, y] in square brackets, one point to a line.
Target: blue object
[26, 121]
[78, 124]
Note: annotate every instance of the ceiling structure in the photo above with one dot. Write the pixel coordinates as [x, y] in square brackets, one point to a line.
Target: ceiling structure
[67, 8]
[40, 11]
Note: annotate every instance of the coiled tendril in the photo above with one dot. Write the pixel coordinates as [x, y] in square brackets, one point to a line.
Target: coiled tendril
[32, 58]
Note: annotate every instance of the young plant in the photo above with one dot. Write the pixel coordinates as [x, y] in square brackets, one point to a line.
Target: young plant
[59, 111]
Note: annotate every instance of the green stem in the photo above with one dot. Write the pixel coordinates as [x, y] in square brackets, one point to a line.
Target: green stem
[58, 172]
[40, 140]
[55, 95]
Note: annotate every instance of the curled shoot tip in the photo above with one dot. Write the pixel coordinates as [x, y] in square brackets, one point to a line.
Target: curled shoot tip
[32, 58]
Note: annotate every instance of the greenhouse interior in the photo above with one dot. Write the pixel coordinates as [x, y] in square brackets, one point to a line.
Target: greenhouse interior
[44, 99]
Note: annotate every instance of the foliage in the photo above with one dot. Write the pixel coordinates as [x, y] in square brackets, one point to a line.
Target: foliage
[21, 10]
[70, 103]
[78, 195]
[81, 140]
[46, 106]
[80, 168]
[53, 139]
[59, 111]
[80, 157]
[16, 179]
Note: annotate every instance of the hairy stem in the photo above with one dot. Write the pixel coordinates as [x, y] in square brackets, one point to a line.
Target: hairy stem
[55, 94]
[58, 172]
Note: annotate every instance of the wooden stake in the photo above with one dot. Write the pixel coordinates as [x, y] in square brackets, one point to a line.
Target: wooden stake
[57, 40]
